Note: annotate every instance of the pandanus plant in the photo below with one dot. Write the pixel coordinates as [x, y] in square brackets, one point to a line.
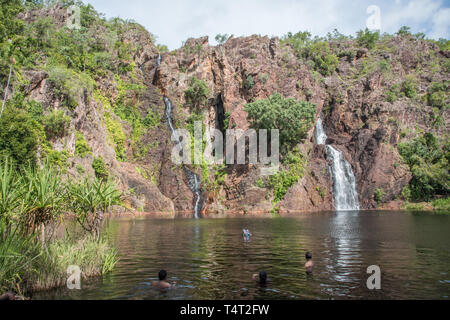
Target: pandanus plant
[90, 200]
[10, 191]
[43, 198]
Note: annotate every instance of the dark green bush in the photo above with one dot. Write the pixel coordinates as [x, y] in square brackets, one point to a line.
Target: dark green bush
[197, 93]
[404, 31]
[410, 86]
[324, 60]
[249, 82]
[393, 93]
[100, 168]
[428, 160]
[437, 94]
[293, 118]
[56, 124]
[20, 136]
[82, 149]
[368, 39]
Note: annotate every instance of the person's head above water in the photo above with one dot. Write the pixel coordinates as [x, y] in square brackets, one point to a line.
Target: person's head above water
[262, 277]
[308, 256]
[162, 275]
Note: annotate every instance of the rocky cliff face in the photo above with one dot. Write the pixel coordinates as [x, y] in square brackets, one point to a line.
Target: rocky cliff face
[358, 119]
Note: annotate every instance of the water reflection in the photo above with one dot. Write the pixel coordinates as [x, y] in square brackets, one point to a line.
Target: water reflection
[209, 259]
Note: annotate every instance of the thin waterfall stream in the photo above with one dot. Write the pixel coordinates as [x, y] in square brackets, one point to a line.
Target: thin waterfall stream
[344, 182]
[194, 182]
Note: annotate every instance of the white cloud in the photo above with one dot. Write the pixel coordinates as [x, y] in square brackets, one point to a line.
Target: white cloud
[173, 21]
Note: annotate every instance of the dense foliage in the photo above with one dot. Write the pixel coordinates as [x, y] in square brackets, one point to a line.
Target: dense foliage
[428, 159]
[293, 118]
[32, 199]
[197, 93]
[20, 136]
[315, 50]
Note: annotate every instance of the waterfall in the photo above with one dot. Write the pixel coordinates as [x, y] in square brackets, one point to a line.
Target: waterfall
[194, 182]
[158, 60]
[344, 182]
[195, 186]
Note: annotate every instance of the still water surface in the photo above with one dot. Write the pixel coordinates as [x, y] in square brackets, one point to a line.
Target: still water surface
[209, 259]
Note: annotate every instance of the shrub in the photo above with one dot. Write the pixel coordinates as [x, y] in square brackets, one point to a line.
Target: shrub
[90, 200]
[69, 85]
[42, 199]
[410, 86]
[100, 168]
[428, 162]
[318, 52]
[284, 180]
[437, 94]
[58, 158]
[379, 195]
[151, 120]
[404, 31]
[222, 38]
[20, 136]
[162, 48]
[393, 93]
[17, 256]
[81, 147]
[299, 42]
[441, 204]
[56, 124]
[197, 93]
[368, 39]
[10, 191]
[324, 60]
[293, 118]
[249, 82]
[117, 136]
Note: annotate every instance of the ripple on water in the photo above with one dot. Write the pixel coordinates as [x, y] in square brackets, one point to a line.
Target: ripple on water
[208, 259]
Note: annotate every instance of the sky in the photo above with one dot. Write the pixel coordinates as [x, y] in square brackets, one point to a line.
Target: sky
[174, 21]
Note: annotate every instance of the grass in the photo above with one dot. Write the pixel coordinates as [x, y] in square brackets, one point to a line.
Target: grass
[32, 198]
[25, 265]
[94, 257]
[442, 204]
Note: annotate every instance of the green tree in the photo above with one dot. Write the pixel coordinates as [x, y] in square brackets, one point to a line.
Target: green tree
[20, 136]
[9, 24]
[368, 39]
[56, 124]
[428, 160]
[410, 86]
[404, 31]
[293, 118]
[100, 168]
[222, 38]
[197, 93]
[324, 60]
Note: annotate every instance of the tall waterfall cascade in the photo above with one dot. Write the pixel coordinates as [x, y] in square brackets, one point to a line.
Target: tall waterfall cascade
[194, 182]
[344, 182]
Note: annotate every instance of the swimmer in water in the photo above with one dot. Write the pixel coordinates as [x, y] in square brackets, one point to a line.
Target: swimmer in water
[309, 265]
[246, 234]
[162, 283]
[261, 278]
